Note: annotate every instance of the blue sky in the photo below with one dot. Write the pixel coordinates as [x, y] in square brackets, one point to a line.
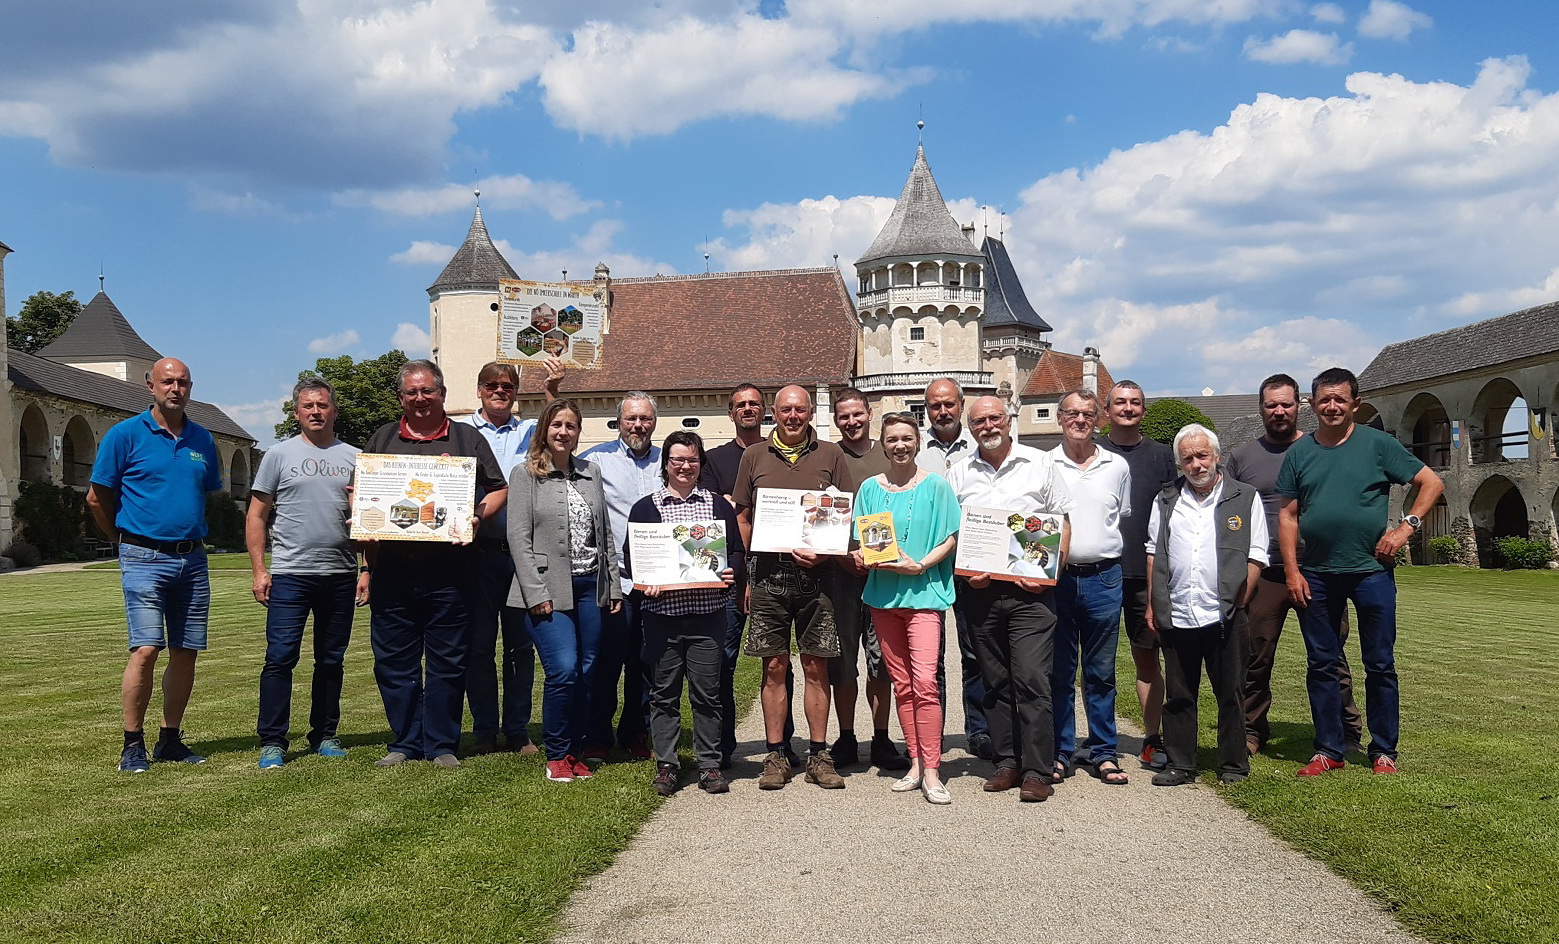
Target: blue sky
[1206, 190]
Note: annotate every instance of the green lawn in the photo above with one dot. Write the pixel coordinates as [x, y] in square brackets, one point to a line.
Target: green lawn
[317, 851]
[1463, 845]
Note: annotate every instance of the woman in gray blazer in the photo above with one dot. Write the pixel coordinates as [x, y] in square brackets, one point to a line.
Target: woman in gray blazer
[565, 574]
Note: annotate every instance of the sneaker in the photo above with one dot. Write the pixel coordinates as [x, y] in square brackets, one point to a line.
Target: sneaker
[639, 748]
[776, 772]
[272, 757]
[1173, 777]
[886, 756]
[1153, 756]
[176, 752]
[846, 750]
[1384, 765]
[593, 756]
[561, 771]
[581, 769]
[132, 760]
[392, 759]
[711, 780]
[330, 747]
[445, 760]
[820, 770]
[1320, 764]
[665, 782]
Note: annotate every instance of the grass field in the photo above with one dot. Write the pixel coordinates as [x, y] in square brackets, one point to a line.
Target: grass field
[317, 851]
[1463, 845]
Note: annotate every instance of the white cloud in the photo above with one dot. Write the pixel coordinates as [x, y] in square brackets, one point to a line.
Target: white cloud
[1388, 19]
[1482, 304]
[1299, 45]
[334, 344]
[1328, 13]
[425, 252]
[259, 418]
[412, 340]
[508, 192]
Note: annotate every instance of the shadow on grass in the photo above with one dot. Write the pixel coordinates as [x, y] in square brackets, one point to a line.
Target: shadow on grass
[251, 743]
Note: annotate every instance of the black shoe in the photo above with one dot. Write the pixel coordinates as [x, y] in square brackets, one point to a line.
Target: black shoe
[1173, 777]
[846, 750]
[1231, 776]
[665, 782]
[981, 746]
[482, 744]
[176, 751]
[886, 756]
[710, 780]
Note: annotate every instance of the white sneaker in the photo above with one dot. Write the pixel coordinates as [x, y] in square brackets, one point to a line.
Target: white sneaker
[906, 784]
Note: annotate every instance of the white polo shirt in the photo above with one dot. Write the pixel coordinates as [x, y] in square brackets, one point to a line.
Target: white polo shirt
[1101, 497]
[937, 456]
[1026, 483]
[1193, 555]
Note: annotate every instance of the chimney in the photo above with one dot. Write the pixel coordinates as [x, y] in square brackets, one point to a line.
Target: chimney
[1091, 369]
[968, 230]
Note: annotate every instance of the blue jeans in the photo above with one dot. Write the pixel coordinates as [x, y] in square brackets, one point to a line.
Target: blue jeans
[420, 628]
[329, 597]
[519, 656]
[1088, 621]
[621, 656]
[167, 596]
[567, 642]
[1374, 599]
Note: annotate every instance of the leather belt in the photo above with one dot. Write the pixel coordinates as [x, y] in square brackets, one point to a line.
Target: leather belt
[166, 547]
[1092, 567]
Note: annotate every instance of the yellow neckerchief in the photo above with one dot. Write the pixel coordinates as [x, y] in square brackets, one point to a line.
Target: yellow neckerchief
[791, 454]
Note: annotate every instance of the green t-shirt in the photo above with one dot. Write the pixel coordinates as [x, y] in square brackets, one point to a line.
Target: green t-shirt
[1343, 493]
[923, 517]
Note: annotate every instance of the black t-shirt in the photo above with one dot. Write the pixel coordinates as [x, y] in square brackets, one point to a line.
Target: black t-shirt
[461, 440]
[720, 465]
[1152, 466]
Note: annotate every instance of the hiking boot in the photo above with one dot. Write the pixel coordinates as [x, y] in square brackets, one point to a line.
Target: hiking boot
[820, 770]
[1320, 764]
[272, 757]
[132, 760]
[846, 750]
[886, 756]
[711, 780]
[776, 772]
[330, 747]
[665, 783]
[176, 751]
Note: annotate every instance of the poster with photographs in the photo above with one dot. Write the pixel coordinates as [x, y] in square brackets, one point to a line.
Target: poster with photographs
[878, 543]
[788, 519]
[537, 320]
[1008, 545]
[413, 498]
[680, 554]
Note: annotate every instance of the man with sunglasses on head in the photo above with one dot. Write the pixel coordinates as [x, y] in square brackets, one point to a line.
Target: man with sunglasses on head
[497, 385]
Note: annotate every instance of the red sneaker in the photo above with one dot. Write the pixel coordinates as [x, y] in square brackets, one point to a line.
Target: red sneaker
[1385, 765]
[581, 769]
[560, 771]
[1320, 764]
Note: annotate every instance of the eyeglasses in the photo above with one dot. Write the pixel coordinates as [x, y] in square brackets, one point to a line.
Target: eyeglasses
[423, 392]
[505, 387]
[1079, 414]
[679, 460]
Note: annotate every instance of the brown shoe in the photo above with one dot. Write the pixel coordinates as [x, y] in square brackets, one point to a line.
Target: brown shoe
[820, 770]
[776, 772]
[1035, 789]
[1006, 778]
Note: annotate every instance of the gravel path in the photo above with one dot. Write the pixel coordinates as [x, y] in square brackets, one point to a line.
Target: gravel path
[1094, 863]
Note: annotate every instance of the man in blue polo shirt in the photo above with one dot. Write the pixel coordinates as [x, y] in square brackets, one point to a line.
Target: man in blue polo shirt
[149, 487]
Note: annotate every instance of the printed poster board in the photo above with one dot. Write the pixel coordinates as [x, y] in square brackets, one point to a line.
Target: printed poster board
[1008, 544]
[815, 519]
[537, 320]
[413, 498]
[679, 554]
[879, 545]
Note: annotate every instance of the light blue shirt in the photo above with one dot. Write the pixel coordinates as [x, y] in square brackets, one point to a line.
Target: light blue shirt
[509, 443]
[626, 478]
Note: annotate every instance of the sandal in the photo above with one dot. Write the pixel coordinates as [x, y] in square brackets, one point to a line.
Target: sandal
[1112, 774]
[1061, 771]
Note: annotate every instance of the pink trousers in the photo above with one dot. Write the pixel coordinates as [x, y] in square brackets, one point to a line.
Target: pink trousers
[911, 643]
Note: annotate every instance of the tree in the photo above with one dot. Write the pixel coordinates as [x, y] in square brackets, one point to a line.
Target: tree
[365, 395]
[1167, 416]
[44, 317]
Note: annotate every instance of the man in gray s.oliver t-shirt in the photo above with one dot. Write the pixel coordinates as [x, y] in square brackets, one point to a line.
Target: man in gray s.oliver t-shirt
[313, 570]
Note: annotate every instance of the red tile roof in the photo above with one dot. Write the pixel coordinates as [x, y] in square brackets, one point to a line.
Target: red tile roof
[1056, 373]
[699, 332]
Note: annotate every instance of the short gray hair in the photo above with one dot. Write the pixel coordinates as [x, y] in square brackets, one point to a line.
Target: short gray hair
[313, 383]
[957, 387]
[637, 395]
[418, 367]
[1193, 431]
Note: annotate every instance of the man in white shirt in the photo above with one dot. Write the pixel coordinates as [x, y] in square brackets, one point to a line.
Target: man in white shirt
[1013, 622]
[1088, 593]
[1207, 543]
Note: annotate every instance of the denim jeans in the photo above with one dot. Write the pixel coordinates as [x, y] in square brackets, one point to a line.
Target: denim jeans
[329, 597]
[167, 596]
[518, 656]
[620, 657]
[1374, 597]
[567, 642]
[1088, 620]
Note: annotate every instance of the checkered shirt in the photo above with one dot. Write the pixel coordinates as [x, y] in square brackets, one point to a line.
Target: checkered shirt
[689, 601]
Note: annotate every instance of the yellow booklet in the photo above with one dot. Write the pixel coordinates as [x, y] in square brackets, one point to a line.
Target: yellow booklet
[879, 545]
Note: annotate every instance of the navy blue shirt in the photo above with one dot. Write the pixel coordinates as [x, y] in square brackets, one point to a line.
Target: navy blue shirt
[162, 479]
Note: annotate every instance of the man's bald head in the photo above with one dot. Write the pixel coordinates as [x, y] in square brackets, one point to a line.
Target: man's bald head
[169, 383]
[792, 414]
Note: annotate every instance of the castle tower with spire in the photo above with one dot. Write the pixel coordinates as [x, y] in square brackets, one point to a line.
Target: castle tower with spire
[463, 306]
[920, 300]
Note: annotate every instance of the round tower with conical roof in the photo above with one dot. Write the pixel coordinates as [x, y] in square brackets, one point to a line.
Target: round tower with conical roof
[463, 307]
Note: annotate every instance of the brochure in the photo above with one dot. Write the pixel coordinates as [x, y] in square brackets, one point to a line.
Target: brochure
[413, 498]
[680, 554]
[788, 519]
[538, 320]
[1008, 544]
[879, 545]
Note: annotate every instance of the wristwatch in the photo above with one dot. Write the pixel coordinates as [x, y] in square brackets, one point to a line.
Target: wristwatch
[1413, 521]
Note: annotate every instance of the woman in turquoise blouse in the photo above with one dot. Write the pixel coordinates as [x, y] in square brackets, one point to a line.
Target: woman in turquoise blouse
[908, 596]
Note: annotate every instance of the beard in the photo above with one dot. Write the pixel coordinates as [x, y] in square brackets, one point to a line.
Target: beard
[637, 442]
[991, 443]
[1202, 479]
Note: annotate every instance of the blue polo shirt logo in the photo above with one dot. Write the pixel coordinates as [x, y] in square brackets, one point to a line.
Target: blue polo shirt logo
[196, 457]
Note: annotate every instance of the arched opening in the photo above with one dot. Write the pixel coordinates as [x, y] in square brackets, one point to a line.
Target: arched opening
[1498, 511]
[952, 274]
[927, 273]
[1437, 523]
[238, 474]
[1426, 431]
[1497, 403]
[903, 274]
[1367, 415]
[33, 445]
[973, 276]
[77, 451]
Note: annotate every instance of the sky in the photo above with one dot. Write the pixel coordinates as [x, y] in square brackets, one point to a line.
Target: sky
[1208, 191]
